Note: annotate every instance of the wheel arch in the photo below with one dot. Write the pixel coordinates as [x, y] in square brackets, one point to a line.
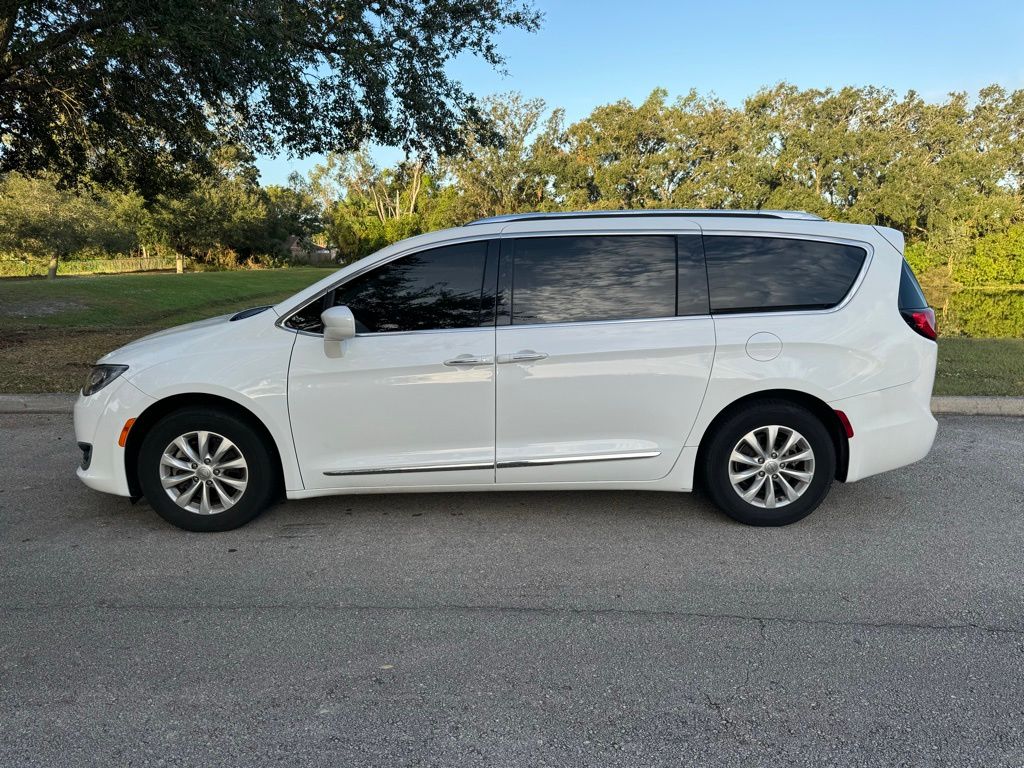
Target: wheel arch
[161, 408]
[816, 406]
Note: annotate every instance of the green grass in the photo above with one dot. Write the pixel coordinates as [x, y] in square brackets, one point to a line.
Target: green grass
[150, 300]
[980, 367]
[52, 331]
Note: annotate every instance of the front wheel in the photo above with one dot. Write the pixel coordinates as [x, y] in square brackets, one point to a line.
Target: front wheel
[771, 464]
[205, 470]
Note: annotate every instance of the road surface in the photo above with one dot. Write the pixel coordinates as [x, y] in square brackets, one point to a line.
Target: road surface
[629, 628]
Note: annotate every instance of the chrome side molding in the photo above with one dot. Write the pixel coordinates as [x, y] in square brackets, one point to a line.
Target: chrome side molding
[411, 468]
[579, 459]
[546, 461]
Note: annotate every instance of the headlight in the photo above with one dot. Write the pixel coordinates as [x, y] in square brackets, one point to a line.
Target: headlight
[100, 376]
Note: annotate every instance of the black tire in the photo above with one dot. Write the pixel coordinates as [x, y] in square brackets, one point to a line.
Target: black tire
[259, 491]
[763, 413]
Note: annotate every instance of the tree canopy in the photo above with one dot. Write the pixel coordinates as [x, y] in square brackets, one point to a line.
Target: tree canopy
[133, 92]
[949, 175]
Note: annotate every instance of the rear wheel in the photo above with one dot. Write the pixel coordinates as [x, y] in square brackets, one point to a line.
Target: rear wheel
[770, 464]
[205, 470]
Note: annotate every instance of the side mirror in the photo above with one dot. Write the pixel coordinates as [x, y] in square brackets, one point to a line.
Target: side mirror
[339, 323]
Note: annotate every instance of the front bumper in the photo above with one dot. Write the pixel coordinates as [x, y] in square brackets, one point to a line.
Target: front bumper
[99, 419]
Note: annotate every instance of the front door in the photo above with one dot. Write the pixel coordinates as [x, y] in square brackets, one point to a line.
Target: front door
[410, 400]
[602, 360]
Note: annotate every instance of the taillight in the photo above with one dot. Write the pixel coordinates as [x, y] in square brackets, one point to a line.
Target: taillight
[922, 321]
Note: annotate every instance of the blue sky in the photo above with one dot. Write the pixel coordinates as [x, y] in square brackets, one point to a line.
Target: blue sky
[594, 52]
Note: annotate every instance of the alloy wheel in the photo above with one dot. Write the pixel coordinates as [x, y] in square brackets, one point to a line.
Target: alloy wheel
[771, 466]
[203, 472]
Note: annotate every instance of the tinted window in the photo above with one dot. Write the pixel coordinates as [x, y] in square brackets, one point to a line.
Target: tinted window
[575, 279]
[911, 295]
[692, 277]
[439, 288]
[771, 273]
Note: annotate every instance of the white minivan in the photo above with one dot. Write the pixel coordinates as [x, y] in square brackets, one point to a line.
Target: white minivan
[758, 354]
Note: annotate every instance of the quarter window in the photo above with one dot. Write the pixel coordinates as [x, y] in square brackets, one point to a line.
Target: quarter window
[576, 279]
[750, 274]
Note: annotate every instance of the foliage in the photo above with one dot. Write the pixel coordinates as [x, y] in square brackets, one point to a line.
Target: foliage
[996, 258]
[367, 207]
[992, 313]
[133, 92]
[38, 219]
[510, 176]
[948, 175]
[221, 217]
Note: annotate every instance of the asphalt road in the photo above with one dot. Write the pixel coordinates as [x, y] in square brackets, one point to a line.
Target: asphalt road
[534, 629]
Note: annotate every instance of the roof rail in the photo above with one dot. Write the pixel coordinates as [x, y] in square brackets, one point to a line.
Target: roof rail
[649, 212]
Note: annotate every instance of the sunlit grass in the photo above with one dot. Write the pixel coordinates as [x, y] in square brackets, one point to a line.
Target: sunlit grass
[144, 300]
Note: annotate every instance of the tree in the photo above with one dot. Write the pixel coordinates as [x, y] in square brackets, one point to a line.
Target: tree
[513, 173]
[129, 92]
[221, 217]
[39, 219]
[366, 206]
[292, 210]
[617, 157]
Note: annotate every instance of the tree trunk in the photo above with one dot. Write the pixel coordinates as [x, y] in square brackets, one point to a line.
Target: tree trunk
[51, 273]
[417, 180]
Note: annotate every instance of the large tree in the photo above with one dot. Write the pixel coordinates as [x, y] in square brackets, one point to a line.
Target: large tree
[130, 91]
[512, 175]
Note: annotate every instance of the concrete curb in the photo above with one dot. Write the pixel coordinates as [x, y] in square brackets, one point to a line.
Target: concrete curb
[979, 406]
[970, 406]
[43, 403]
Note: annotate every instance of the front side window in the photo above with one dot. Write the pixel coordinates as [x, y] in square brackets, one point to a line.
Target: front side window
[430, 290]
[603, 277]
[757, 274]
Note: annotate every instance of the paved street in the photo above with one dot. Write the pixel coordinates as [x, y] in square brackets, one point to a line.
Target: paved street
[529, 629]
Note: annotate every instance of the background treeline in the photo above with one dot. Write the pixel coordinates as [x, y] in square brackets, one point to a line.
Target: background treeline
[947, 174]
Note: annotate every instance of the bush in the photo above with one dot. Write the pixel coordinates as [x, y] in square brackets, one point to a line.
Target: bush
[983, 314]
[923, 257]
[994, 259]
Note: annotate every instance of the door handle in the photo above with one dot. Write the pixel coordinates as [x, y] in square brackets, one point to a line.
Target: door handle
[468, 360]
[522, 356]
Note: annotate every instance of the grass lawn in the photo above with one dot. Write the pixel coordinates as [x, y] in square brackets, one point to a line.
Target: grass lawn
[52, 331]
[980, 367]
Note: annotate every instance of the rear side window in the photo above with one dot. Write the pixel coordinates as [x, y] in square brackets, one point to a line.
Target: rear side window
[911, 295]
[754, 274]
[603, 277]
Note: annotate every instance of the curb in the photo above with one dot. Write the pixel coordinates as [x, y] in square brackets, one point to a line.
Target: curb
[43, 403]
[979, 406]
[968, 406]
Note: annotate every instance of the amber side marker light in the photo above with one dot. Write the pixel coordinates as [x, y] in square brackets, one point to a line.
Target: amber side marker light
[124, 432]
